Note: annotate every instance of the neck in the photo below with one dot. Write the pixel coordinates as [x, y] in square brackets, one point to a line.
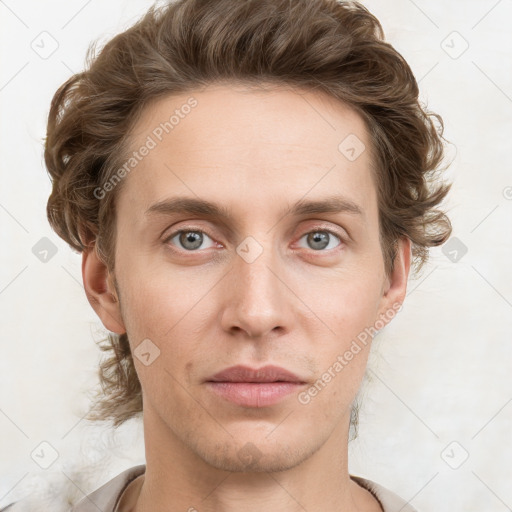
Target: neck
[178, 478]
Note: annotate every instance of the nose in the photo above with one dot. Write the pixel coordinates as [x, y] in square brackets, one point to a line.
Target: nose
[258, 301]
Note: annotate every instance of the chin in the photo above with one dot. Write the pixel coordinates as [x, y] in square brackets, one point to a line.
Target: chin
[254, 456]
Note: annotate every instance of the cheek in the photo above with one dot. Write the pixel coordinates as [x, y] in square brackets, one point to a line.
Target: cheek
[157, 297]
[344, 302]
[173, 309]
[348, 307]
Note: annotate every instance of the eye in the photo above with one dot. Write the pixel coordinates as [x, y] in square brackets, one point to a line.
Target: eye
[192, 240]
[189, 239]
[321, 239]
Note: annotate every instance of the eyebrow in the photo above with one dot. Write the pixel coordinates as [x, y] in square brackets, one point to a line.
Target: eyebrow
[193, 206]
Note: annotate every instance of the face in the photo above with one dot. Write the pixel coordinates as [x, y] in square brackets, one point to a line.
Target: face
[255, 279]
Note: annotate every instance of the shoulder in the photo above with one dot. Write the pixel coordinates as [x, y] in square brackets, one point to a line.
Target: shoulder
[105, 498]
[107, 495]
[389, 501]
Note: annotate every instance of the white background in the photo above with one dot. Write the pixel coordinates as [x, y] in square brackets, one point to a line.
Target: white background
[441, 369]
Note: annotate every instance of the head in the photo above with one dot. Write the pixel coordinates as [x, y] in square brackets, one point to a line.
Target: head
[252, 117]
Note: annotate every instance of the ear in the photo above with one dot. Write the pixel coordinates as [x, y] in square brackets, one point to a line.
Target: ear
[395, 286]
[101, 292]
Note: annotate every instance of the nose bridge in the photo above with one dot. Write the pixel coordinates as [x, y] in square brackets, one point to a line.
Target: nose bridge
[257, 303]
[253, 266]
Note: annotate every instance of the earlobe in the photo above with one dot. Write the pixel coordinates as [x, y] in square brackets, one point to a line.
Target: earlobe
[100, 291]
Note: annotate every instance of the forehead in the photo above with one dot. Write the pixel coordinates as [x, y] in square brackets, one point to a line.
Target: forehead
[247, 144]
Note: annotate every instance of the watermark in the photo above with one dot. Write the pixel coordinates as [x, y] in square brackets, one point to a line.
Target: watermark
[146, 352]
[250, 455]
[44, 249]
[454, 45]
[343, 360]
[455, 455]
[44, 44]
[249, 249]
[454, 249]
[44, 454]
[352, 147]
[150, 143]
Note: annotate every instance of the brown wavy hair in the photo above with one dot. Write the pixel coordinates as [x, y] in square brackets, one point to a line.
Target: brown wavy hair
[336, 47]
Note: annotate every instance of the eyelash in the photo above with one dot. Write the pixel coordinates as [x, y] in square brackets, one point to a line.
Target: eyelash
[195, 230]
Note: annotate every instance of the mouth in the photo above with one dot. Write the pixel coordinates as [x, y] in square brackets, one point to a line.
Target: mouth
[265, 374]
[249, 387]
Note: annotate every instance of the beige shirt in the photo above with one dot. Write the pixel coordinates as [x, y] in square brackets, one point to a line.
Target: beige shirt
[106, 498]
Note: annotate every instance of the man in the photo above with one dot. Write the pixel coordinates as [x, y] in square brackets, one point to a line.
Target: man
[248, 182]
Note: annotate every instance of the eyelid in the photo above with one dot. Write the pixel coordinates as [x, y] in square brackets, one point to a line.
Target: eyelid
[171, 235]
[318, 227]
[342, 240]
[341, 233]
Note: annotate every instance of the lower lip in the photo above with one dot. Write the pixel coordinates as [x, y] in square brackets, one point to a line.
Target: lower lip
[254, 394]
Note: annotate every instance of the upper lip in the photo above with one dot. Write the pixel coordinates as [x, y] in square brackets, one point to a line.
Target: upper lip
[269, 373]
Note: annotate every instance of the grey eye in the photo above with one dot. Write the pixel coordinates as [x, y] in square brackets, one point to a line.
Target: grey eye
[318, 240]
[190, 240]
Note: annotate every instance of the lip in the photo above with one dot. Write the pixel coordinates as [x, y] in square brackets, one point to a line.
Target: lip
[251, 387]
[269, 373]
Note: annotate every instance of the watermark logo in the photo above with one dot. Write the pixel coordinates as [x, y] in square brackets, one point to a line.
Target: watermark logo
[351, 147]
[44, 250]
[455, 455]
[454, 45]
[454, 249]
[147, 352]
[44, 455]
[44, 44]
[249, 454]
[249, 249]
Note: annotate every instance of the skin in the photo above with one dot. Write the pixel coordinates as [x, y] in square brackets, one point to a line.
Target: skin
[257, 153]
